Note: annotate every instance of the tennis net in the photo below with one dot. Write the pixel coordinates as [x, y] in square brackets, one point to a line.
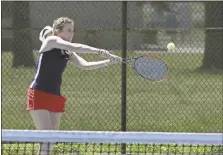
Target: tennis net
[28, 142]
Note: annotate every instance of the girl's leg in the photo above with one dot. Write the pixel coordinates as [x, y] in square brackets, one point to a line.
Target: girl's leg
[42, 121]
[55, 119]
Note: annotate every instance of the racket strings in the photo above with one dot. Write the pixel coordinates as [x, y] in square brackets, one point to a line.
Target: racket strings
[150, 68]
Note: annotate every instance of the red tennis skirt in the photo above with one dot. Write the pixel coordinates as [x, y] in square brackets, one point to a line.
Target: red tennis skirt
[39, 100]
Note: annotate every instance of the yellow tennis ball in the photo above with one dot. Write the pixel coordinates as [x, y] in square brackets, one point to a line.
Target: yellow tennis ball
[171, 46]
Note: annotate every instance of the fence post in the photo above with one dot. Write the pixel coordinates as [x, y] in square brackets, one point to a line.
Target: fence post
[124, 53]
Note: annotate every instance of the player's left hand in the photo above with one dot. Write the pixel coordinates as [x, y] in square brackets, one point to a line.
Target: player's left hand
[104, 53]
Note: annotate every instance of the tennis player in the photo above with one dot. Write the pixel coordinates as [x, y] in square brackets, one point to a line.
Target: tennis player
[44, 100]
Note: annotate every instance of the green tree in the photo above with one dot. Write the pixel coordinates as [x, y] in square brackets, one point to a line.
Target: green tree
[213, 42]
[22, 39]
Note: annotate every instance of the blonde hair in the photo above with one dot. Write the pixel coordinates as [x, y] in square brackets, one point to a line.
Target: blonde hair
[60, 22]
[45, 32]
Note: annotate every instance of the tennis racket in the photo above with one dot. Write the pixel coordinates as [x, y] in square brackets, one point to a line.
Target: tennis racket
[149, 67]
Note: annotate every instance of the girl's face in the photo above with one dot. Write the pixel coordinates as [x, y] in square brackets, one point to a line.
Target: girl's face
[67, 32]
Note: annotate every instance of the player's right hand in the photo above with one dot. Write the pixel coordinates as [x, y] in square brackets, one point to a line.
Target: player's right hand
[114, 59]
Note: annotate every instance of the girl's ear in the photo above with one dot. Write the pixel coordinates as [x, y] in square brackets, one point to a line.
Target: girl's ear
[56, 33]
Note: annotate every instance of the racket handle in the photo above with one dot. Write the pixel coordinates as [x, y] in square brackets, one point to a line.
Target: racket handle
[132, 59]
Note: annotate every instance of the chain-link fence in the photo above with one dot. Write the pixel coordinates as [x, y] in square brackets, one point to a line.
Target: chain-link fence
[190, 100]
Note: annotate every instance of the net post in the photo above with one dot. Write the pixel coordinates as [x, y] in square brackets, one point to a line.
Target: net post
[124, 53]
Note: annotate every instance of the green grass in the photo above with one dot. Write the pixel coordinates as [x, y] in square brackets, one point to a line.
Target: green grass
[187, 101]
[71, 149]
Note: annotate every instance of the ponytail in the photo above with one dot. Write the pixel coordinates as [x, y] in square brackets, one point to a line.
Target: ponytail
[46, 31]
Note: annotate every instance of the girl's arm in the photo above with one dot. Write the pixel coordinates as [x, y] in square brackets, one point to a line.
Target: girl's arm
[83, 64]
[56, 42]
